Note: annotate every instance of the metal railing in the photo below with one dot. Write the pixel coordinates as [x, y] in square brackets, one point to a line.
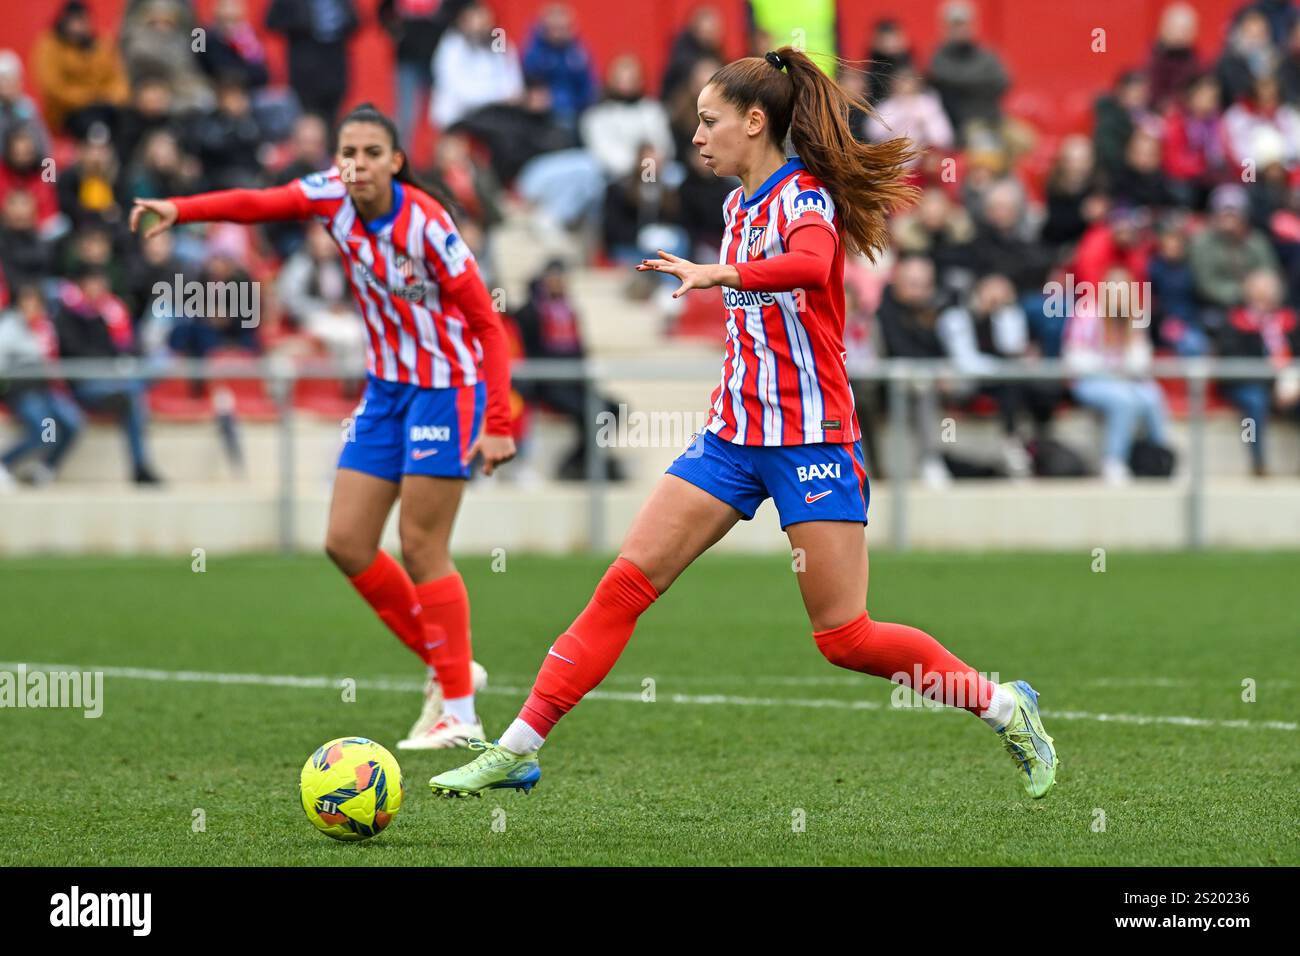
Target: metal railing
[898, 375]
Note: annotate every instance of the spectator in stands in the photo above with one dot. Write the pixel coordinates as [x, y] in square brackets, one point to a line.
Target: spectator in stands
[88, 188]
[1281, 15]
[1140, 181]
[77, 74]
[197, 334]
[854, 82]
[317, 32]
[1195, 150]
[700, 40]
[416, 28]
[1174, 62]
[969, 78]
[93, 323]
[23, 167]
[16, 107]
[150, 109]
[473, 68]
[1117, 114]
[1261, 327]
[308, 153]
[515, 133]
[640, 217]
[700, 199]
[890, 51]
[153, 267]
[980, 331]
[233, 48]
[564, 187]
[1225, 252]
[160, 169]
[625, 118]
[156, 44]
[1004, 242]
[471, 184]
[1260, 128]
[93, 245]
[1075, 197]
[913, 111]
[24, 255]
[228, 140]
[562, 60]
[1248, 55]
[550, 328]
[943, 232]
[908, 322]
[1288, 71]
[50, 419]
[1110, 353]
[1176, 317]
[314, 291]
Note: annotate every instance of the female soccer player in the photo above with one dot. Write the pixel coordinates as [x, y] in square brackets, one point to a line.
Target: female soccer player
[782, 424]
[437, 354]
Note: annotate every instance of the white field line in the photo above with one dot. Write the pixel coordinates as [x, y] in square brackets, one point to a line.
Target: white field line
[411, 686]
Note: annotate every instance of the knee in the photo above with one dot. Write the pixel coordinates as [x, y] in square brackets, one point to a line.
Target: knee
[426, 556]
[349, 555]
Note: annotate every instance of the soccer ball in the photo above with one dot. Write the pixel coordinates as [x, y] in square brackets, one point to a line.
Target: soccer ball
[351, 788]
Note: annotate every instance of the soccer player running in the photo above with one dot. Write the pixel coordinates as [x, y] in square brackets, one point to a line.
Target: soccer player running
[782, 423]
[437, 360]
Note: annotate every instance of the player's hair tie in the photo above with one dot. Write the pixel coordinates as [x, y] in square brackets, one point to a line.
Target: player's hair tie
[775, 59]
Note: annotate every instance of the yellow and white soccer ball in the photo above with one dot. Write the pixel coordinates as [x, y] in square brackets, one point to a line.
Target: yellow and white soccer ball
[351, 788]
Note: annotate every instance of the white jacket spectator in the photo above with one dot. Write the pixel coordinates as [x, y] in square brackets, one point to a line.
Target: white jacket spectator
[472, 67]
[314, 290]
[614, 129]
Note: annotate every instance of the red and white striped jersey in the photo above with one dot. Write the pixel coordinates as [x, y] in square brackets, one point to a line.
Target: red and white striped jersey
[784, 380]
[397, 267]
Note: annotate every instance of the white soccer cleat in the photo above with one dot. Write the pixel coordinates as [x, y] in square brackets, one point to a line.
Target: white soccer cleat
[446, 733]
[431, 712]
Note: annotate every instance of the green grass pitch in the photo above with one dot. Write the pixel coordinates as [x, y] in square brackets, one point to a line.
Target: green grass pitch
[753, 751]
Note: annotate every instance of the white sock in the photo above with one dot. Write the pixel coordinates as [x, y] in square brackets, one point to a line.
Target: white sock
[1000, 708]
[462, 708]
[521, 739]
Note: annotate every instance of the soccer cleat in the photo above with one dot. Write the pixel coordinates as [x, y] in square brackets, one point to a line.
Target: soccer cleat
[431, 712]
[1028, 743]
[448, 732]
[494, 769]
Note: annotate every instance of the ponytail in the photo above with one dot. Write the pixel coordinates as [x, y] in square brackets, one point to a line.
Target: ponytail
[867, 181]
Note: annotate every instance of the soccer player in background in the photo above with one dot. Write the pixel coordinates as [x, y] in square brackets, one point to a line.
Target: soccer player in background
[437, 364]
[782, 423]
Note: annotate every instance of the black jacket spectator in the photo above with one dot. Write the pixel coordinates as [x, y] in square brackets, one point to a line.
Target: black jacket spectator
[317, 32]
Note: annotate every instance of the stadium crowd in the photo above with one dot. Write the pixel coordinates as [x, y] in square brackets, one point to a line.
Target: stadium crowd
[1185, 174]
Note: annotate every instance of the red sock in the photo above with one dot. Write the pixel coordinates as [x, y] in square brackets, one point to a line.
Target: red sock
[446, 618]
[388, 589]
[582, 656]
[909, 656]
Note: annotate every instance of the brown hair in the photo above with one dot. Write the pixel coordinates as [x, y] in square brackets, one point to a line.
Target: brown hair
[867, 181]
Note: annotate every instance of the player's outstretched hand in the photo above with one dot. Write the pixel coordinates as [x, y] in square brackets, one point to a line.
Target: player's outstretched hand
[693, 274]
[495, 449]
[164, 209]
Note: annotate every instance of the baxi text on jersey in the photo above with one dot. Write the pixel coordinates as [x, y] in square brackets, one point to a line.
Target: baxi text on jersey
[430, 433]
[812, 472]
[735, 299]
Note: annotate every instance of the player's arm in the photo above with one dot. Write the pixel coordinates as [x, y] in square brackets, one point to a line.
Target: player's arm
[806, 264]
[469, 293]
[277, 204]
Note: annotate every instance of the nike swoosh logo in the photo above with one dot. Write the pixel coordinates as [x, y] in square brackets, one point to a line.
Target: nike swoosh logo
[810, 497]
[419, 453]
[552, 653]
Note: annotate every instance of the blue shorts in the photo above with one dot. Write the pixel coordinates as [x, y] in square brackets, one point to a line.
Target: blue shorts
[400, 429]
[821, 482]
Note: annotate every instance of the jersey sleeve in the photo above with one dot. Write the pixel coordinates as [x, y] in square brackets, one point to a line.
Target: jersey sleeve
[300, 199]
[457, 272]
[806, 264]
[808, 205]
